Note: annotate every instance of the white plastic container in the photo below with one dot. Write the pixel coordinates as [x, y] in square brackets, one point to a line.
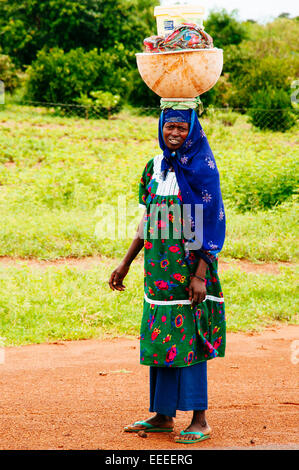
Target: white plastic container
[168, 17]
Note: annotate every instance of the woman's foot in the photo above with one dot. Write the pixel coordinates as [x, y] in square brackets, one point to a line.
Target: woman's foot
[155, 422]
[198, 427]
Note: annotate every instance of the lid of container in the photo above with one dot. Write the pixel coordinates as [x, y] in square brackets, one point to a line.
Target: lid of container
[178, 9]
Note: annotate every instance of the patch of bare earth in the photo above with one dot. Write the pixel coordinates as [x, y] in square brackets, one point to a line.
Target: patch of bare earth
[92, 261]
[80, 395]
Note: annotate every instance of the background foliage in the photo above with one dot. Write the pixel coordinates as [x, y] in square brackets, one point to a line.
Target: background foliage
[70, 48]
[29, 25]
[55, 172]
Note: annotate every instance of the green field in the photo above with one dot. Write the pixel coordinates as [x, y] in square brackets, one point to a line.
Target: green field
[57, 173]
[69, 303]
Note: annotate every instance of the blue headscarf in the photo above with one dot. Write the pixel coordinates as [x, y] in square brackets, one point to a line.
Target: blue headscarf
[198, 179]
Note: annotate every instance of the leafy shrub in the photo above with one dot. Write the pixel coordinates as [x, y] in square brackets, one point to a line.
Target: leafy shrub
[59, 77]
[99, 104]
[257, 191]
[228, 118]
[252, 74]
[8, 73]
[271, 109]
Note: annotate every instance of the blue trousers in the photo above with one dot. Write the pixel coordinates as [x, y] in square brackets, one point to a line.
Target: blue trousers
[178, 388]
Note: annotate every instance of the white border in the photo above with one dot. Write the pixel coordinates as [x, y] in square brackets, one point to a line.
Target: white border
[181, 302]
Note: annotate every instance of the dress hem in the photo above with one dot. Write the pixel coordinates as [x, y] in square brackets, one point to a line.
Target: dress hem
[149, 364]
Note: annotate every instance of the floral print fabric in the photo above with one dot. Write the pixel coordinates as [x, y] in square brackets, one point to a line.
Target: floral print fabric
[173, 333]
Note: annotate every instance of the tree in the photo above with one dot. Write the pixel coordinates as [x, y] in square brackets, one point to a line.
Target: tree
[267, 58]
[225, 28]
[27, 26]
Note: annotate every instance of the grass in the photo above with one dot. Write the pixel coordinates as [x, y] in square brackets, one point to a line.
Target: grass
[61, 303]
[270, 235]
[56, 173]
[53, 233]
[56, 176]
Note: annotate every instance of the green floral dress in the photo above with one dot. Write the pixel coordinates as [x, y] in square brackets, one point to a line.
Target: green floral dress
[173, 333]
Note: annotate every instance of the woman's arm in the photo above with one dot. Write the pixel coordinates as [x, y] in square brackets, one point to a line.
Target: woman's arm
[197, 287]
[117, 276]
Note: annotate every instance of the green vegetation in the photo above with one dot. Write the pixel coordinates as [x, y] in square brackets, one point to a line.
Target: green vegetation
[258, 71]
[8, 73]
[271, 109]
[69, 50]
[59, 77]
[57, 172]
[225, 28]
[259, 170]
[60, 303]
[100, 104]
[28, 26]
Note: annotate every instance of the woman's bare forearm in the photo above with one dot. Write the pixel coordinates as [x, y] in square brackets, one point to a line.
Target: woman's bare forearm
[136, 245]
[201, 268]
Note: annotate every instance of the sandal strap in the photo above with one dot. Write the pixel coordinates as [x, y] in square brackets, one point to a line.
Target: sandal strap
[197, 433]
[143, 423]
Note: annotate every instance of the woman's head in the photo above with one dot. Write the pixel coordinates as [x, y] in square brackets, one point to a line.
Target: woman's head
[176, 124]
[175, 134]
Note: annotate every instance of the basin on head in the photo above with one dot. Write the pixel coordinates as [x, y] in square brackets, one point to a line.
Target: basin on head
[181, 74]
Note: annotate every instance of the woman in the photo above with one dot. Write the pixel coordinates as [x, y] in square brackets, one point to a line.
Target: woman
[183, 324]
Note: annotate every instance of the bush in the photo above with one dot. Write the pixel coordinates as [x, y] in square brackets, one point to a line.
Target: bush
[271, 109]
[101, 104]
[59, 77]
[70, 77]
[8, 73]
[250, 74]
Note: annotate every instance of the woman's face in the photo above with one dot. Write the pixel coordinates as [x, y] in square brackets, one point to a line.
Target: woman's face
[175, 134]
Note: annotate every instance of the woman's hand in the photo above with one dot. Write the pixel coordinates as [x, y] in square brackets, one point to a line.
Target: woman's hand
[197, 291]
[116, 278]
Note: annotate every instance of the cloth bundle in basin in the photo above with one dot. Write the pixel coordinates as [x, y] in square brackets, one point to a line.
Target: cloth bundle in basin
[184, 36]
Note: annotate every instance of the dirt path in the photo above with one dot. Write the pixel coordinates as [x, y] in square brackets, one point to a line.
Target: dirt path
[90, 262]
[79, 395]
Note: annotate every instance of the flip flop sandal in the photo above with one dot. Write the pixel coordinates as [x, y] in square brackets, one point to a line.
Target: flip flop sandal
[192, 441]
[146, 427]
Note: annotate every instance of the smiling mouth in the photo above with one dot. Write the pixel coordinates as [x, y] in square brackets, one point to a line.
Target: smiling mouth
[174, 141]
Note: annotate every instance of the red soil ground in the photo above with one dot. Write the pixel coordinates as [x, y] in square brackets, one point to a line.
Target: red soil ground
[80, 395]
[90, 262]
